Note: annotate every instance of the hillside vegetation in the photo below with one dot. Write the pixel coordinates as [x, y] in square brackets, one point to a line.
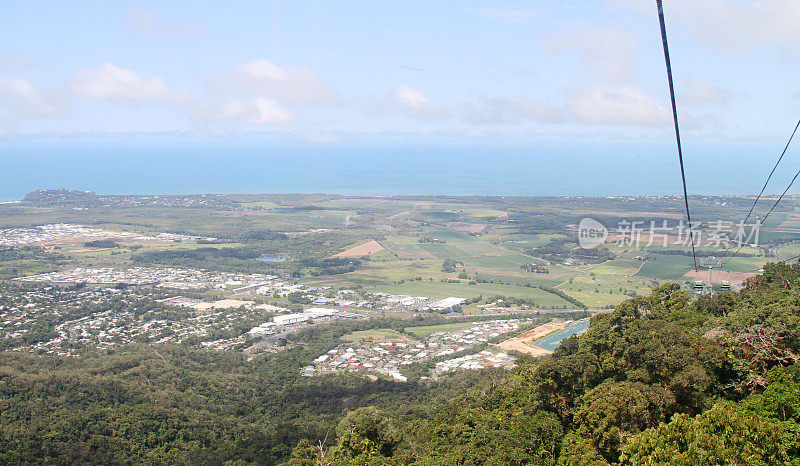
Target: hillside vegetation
[662, 379]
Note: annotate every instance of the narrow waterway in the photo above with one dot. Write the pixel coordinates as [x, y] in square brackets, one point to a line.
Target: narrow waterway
[551, 342]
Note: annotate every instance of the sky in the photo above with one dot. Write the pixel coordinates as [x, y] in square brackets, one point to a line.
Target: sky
[360, 71]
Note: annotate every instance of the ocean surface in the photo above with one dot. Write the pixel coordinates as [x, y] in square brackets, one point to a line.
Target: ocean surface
[540, 169]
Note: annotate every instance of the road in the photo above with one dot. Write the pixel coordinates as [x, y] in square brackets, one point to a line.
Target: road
[776, 251]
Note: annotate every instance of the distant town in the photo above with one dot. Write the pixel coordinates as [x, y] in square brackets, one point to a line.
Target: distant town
[105, 307]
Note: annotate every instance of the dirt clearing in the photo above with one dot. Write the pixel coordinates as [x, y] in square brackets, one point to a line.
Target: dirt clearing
[362, 250]
[524, 342]
[468, 228]
[736, 278]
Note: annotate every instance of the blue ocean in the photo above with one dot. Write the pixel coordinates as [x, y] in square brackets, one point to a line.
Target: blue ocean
[388, 168]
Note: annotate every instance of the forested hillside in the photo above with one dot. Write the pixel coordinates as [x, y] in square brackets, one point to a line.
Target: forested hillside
[662, 379]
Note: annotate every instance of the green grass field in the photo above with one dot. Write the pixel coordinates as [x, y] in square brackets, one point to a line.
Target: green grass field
[424, 331]
[446, 251]
[747, 264]
[603, 290]
[438, 290]
[316, 228]
[613, 270]
[260, 204]
[520, 241]
[666, 267]
[790, 251]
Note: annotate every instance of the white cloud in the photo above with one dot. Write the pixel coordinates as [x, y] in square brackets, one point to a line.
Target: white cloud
[617, 105]
[608, 52]
[269, 111]
[262, 78]
[733, 25]
[109, 82]
[260, 93]
[263, 88]
[696, 91]
[501, 110]
[258, 112]
[508, 14]
[148, 24]
[414, 103]
[22, 98]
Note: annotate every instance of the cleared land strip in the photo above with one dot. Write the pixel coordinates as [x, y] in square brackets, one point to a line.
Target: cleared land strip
[524, 342]
[717, 276]
[361, 250]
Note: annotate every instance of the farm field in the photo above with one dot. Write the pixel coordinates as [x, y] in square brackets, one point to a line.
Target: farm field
[384, 270]
[600, 291]
[436, 290]
[366, 249]
[666, 267]
[404, 245]
[406, 248]
[613, 270]
[747, 264]
[790, 251]
[509, 239]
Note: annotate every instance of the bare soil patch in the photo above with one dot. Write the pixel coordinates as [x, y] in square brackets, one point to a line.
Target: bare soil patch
[524, 342]
[362, 250]
[464, 227]
[736, 278]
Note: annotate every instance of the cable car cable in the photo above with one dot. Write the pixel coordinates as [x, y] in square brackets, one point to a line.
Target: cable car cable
[675, 121]
[785, 148]
[782, 194]
[779, 197]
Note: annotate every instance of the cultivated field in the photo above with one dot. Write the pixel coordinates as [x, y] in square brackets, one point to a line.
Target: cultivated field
[463, 227]
[486, 242]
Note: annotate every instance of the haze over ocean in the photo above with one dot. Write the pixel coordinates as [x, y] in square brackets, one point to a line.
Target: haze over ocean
[529, 169]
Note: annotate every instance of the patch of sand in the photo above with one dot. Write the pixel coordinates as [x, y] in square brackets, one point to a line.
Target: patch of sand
[524, 342]
[736, 278]
[362, 250]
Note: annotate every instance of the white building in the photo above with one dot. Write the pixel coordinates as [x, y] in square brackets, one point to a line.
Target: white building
[315, 312]
[287, 319]
[446, 303]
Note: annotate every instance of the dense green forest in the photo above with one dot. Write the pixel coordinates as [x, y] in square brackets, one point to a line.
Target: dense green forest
[171, 404]
[663, 378]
